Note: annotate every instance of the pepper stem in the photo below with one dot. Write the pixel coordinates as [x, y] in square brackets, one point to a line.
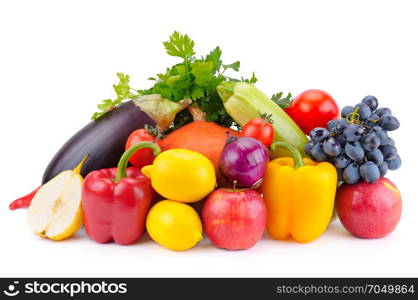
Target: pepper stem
[297, 157]
[123, 162]
[80, 165]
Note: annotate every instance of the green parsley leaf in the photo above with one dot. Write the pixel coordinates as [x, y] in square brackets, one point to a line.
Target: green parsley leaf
[252, 80]
[215, 57]
[179, 45]
[194, 78]
[202, 72]
[234, 66]
[122, 90]
[197, 93]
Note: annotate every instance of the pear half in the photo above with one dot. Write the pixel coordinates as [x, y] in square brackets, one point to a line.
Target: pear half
[55, 211]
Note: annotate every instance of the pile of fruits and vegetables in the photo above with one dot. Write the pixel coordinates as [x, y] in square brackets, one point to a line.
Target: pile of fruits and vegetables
[202, 153]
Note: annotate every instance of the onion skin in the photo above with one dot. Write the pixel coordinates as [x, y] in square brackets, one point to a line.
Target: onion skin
[243, 161]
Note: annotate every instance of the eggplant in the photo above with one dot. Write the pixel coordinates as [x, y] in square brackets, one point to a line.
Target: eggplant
[104, 139]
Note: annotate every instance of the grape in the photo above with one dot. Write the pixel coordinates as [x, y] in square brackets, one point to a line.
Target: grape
[318, 134]
[331, 125]
[354, 151]
[353, 132]
[331, 147]
[394, 163]
[346, 111]
[383, 111]
[375, 156]
[341, 161]
[372, 121]
[370, 141]
[308, 148]
[358, 144]
[318, 153]
[351, 174]
[369, 172]
[390, 141]
[389, 152]
[341, 125]
[341, 140]
[363, 110]
[389, 122]
[382, 134]
[383, 168]
[371, 101]
[340, 174]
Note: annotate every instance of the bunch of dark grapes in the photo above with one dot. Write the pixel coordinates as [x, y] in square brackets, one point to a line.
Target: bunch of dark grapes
[358, 144]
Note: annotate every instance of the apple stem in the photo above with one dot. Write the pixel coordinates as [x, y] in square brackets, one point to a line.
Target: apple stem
[234, 186]
[297, 157]
[80, 165]
[123, 162]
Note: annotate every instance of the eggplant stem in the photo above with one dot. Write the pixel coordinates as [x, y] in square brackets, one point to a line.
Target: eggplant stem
[161, 110]
[196, 112]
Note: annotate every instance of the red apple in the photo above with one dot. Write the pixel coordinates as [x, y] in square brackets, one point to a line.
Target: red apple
[234, 219]
[369, 210]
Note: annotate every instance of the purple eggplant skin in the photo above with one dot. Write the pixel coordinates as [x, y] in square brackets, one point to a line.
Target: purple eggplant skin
[103, 139]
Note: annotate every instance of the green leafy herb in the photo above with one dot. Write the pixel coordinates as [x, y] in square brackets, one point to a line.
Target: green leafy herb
[194, 78]
[282, 102]
[180, 45]
[234, 66]
[123, 92]
[252, 80]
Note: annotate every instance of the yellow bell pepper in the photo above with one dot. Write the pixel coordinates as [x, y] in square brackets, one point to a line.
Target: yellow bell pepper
[299, 195]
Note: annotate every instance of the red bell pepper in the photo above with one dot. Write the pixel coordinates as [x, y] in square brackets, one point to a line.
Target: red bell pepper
[116, 201]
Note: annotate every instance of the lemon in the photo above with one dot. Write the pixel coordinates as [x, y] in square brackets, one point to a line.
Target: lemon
[174, 225]
[182, 175]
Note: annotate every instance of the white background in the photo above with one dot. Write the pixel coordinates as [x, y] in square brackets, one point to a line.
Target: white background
[58, 59]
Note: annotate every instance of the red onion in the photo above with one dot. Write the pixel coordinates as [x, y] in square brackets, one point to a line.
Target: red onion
[243, 161]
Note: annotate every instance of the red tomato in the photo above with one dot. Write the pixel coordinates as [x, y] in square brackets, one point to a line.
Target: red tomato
[313, 108]
[142, 157]
[259, 129]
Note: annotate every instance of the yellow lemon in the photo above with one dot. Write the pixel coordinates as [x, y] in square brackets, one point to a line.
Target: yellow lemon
[182, 175]
[174, 225]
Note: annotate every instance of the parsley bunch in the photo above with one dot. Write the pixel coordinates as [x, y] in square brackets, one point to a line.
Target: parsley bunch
[193, 78]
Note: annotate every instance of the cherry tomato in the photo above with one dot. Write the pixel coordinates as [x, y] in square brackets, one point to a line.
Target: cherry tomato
[313, 108]
[142, 157]
[259, 129]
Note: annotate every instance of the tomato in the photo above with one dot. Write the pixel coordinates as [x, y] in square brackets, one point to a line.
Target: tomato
[260, 129]
[142, 157]
[313, 108]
